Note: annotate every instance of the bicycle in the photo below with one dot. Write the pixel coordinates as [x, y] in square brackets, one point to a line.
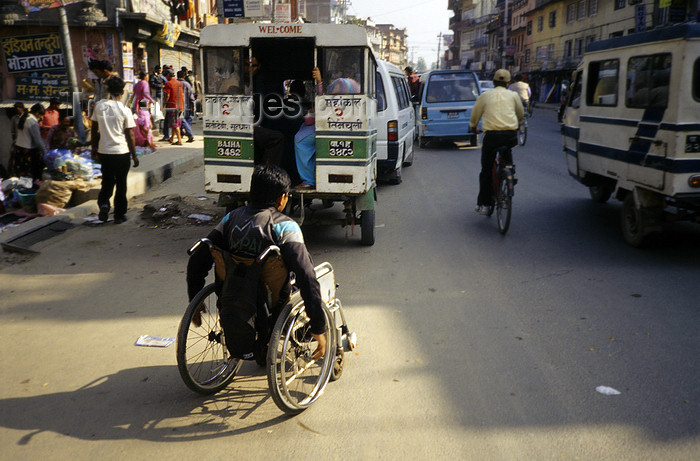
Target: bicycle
[504, 182]
[522, 128]
[296, 380]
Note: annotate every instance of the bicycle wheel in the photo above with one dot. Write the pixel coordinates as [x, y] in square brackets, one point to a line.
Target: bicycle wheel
[295, 379]
[522, 133]
[202, 358]
[503, 202]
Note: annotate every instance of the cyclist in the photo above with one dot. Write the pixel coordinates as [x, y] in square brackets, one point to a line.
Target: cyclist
[502, 113]
[523, 90]
[247, 231]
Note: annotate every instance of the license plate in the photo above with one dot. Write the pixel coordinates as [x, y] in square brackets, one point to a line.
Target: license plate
[692, 143]
[340, 149]
[453, 115]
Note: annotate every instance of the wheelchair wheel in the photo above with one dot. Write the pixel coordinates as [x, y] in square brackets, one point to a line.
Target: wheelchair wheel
[202, 358]
[295, 380]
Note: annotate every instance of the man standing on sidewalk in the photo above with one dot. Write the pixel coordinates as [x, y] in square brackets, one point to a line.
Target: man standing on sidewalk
[174, 104]
[189, 105]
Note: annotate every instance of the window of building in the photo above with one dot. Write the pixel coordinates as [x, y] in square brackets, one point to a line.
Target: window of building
[550, 51]
[592, 7]
[602, 86]
[619, 33]
[570, 13]
[697, 71]
[648, 79]
[581, 10]
[552, 19]
[529, 28]
[590, 39]
[540, 23]
[579, 47]
[568, 49]
[619, 4]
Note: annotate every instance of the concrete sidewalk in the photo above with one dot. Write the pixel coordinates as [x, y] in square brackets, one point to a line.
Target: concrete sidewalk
[167, 161]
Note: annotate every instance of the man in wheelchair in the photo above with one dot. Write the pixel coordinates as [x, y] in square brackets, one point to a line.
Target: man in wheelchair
[245, 232]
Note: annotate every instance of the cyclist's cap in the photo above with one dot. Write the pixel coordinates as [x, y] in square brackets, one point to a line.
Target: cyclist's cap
[501, 75]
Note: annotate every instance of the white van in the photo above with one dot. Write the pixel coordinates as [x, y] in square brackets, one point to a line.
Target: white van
[396, 122]
[631, 128]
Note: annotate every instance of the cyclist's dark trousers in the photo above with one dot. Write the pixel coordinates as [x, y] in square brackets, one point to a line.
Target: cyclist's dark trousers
[492, 141]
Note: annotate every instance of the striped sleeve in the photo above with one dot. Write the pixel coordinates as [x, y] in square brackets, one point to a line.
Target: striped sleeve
[288, 232]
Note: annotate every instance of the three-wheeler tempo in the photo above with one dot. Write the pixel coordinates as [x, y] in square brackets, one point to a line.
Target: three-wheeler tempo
[250, 71]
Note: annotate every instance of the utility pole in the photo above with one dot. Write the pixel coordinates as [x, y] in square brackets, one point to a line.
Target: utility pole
[437, 63]
[505, 35]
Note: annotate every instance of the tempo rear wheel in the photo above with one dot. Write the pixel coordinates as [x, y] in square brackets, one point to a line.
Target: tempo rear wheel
[202, 358]
[295, 379]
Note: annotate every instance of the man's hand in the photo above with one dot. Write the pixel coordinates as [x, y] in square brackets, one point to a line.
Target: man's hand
[321, 348]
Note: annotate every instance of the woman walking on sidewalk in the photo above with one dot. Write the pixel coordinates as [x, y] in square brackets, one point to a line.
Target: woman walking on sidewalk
[112, 144]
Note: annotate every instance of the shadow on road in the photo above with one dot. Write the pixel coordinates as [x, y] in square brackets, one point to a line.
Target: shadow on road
[144, 404]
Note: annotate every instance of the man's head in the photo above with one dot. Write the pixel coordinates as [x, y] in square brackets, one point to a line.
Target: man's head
[518, 77]
[20, 108]
[269, 186]
[501, 78]
[156, 69]
[408, 70]
[115, 86]
[54, 103]
[102, 69]
[180, 74]
[168, 73]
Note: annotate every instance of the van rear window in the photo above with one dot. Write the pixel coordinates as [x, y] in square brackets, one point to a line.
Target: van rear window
[602, 87]
[648, 79]
[446, 87]
[381, 96]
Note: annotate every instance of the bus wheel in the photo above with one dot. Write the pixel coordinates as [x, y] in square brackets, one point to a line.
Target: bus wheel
[633, 223]
[600, 194]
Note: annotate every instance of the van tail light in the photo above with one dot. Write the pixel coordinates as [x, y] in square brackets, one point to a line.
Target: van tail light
[694, 181]
[392, 130]
[424, 113]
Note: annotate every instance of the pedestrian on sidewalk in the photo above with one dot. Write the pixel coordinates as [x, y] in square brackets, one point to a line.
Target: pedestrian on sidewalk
[112, 145]
[142, 90]
[174, 104]
[143, 135]
[29, 146]
[189, 105]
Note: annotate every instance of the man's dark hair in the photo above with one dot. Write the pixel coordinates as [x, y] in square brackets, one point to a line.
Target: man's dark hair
[180, 74]
[409, 69]
[94, 64]
[115, 85]
[518, 77]
[156, 67]
[269, 182]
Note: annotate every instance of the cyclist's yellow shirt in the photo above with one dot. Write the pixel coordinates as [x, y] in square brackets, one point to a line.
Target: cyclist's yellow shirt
[500, 109]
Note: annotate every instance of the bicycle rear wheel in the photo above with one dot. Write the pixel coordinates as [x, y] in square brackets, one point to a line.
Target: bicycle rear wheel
[295, 379]
[202, 358]
[504, 202]
[522, 132]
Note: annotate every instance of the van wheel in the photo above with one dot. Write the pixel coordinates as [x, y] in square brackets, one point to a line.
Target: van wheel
[422, 142]
[633, 224]
[600, 194]
[395, 177]
[473, 141]
[367, 227]
[409, 160]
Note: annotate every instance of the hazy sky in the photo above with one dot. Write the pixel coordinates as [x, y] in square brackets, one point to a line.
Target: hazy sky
[423, 20]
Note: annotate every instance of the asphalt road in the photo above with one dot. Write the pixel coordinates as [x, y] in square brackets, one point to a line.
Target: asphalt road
[472, 345]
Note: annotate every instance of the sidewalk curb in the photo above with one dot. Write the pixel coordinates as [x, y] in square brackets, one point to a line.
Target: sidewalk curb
[155, 168]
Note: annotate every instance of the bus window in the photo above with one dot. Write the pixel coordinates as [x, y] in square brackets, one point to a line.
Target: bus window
[343, 70]
[696, 80]
[602, 83]
[224, 70]
[648, 80]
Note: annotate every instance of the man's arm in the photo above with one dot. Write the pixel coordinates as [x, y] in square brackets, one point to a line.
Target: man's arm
[477, 111]
[200, 263]
[298, 260]
[519, 110]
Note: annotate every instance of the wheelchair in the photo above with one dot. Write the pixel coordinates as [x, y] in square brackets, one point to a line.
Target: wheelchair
[296, 380]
